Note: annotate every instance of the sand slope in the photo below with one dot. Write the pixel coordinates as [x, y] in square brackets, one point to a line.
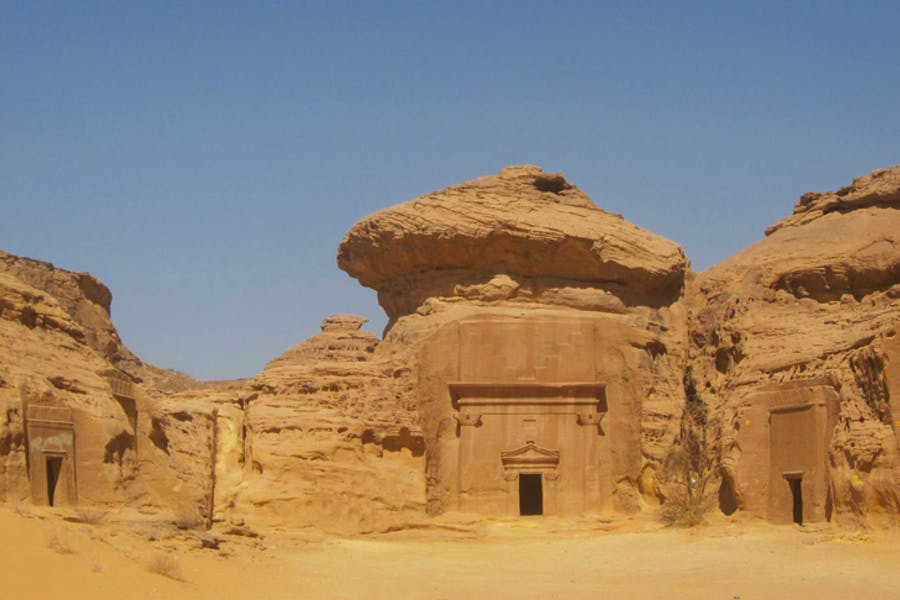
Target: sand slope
[546, 558]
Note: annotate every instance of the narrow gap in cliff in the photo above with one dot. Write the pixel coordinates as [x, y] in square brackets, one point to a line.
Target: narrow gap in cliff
[54, 467]
[243, 443]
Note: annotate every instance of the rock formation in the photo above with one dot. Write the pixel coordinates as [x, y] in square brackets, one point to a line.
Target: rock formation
[87, 302]
[808, 316]
[518, 283]
[80, 413]
[54, 382]
[542, 355]
[322, 437]
[542, 233]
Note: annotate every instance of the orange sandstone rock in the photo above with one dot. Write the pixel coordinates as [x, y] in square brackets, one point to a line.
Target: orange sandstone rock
[542, 356]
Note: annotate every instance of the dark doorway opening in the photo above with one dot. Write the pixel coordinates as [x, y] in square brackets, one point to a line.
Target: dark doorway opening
[54, 468]
[727, 496]
[531, 494]
[797, 495]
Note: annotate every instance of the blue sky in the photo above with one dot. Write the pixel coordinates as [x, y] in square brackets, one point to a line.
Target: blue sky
[205, 159]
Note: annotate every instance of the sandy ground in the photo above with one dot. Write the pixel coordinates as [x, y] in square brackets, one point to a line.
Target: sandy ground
[44, 556]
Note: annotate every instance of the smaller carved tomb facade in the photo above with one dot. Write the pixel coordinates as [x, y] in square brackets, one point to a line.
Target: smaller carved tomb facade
[787, 429]
[74, 452]
[51, 455]
[530, 406]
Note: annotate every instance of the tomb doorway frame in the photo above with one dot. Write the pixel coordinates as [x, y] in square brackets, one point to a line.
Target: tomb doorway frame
[584, 402]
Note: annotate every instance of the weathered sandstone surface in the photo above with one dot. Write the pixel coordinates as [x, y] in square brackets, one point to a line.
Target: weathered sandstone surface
[77, 406]
[811, 310]
[322, 437]
[517, 282]
[542, 233]
[534, 340]
[87, 302]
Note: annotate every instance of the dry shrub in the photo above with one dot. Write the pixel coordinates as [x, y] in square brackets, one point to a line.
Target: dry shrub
[688, 468]
[96, 565]
[165, 565]
[58, 541]
[90, 515]
[682, 510]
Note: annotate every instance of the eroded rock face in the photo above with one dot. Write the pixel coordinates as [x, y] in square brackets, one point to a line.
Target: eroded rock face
[87, 303]
[77, 426]
[50, 372]
[47, 361]
[808, 316]
[329, 437]
[516, 287]
[878, 189]
[522, 223]
[533, 338]
[350, 433]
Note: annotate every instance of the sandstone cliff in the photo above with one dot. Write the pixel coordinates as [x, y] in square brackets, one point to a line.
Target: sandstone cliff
[530, 332]
[350, 433]
[87, 302]
[78, 407]
[48, 360]
[816, 301]
[525, 258]
[323, 436]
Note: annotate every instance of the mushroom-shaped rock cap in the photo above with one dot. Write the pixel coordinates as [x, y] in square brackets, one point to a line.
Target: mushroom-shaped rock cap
[521, 221]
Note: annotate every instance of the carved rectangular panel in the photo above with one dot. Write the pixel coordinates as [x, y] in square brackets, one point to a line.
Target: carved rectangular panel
[526, 350]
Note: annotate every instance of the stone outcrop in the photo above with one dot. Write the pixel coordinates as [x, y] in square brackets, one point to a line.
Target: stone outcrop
[329, 436]
[814, 305]
[542, 234]
[880, 188]
[520, 282]
[541, 355]
[79, 425]
[351, 433]
[49, 362]
[87, 303]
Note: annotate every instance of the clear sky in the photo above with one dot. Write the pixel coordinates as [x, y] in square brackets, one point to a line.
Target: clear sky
[204, 159]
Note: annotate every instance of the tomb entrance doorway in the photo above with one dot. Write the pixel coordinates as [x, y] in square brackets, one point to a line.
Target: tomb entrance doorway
[795, 482]
[54, 469]
[531, 494]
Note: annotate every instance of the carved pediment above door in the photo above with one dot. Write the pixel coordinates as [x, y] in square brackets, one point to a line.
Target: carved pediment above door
[530, 456]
